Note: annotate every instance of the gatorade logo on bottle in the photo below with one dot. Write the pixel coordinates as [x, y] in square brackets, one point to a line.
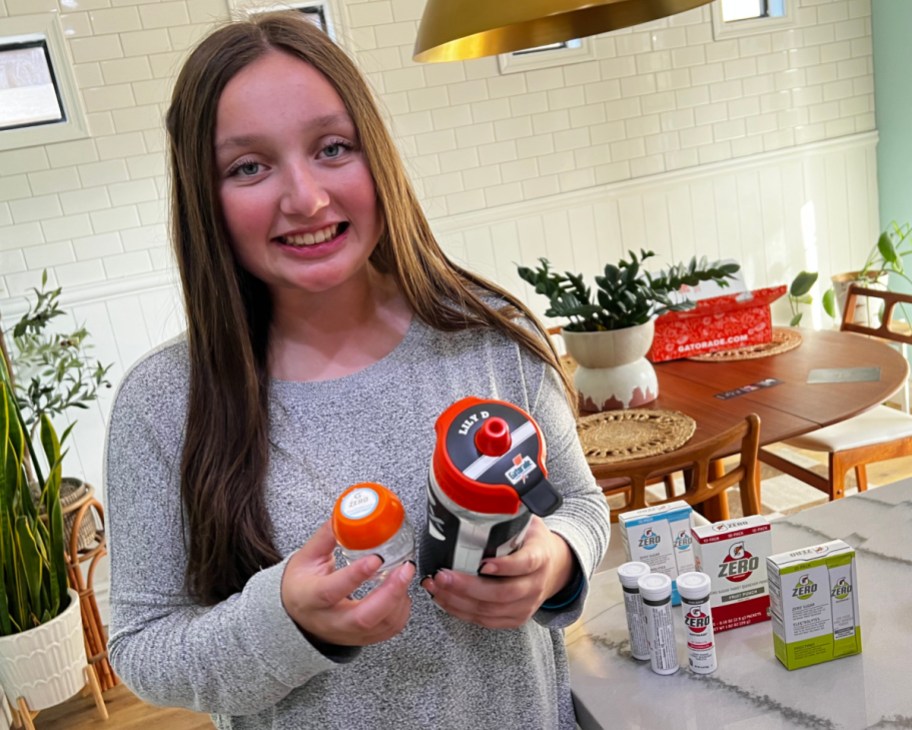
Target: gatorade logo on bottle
[696, 620]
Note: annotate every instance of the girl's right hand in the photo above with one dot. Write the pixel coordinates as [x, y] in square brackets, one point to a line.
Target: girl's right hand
[316, 595]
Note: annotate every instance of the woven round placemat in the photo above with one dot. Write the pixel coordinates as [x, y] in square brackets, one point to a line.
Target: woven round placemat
[784, 339]
[612, 436]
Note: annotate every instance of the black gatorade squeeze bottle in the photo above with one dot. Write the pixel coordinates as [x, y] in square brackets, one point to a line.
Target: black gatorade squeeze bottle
[487, 479]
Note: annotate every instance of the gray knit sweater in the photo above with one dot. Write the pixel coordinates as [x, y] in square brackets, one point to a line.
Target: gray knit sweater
[244, 660]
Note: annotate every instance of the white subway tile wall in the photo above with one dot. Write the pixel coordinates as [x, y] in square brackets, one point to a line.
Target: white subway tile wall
[661, 97]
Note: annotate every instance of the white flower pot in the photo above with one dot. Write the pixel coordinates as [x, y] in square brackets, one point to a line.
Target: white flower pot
[613, 372]
[865, 312]
[45, 665]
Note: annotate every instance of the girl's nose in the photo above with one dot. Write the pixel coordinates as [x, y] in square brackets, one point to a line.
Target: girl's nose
[304, 192]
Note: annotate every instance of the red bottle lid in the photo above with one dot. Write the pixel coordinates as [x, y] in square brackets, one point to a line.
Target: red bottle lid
[490, 458]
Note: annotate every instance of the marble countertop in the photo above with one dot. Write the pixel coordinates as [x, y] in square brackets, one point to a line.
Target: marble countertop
[751, 689]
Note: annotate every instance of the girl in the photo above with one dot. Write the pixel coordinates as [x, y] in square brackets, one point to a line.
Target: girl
[326, 331]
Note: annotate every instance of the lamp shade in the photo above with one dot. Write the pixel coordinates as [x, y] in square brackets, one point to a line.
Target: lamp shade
[453, 30]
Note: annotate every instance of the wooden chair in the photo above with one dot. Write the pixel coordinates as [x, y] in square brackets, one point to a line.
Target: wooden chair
[706, 476]
[876, 435]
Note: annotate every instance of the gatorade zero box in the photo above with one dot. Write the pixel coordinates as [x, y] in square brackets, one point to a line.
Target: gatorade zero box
[487, 479]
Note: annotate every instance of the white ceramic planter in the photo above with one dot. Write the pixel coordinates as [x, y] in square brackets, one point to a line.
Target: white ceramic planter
[613, 372]
[6, 713]
[45, 665]
[865, 312]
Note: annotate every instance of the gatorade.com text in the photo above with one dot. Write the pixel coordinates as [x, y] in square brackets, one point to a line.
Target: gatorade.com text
[712, 343]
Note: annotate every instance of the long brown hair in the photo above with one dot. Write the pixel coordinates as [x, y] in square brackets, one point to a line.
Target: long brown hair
[225, 454]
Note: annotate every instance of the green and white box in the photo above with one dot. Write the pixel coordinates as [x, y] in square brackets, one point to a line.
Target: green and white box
[660, 536]
[814, 604]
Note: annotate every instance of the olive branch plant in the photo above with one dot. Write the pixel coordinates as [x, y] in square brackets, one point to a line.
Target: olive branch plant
[53, 372]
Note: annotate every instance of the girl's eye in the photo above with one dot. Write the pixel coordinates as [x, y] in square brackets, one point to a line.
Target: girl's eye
[335, 149]
[244, 168]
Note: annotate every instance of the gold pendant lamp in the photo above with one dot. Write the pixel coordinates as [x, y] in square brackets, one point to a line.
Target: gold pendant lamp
[455, 30]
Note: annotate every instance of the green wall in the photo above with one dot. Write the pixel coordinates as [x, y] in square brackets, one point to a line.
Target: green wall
[892, 23]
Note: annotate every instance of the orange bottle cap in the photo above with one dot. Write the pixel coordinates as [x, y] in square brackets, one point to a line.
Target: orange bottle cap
[366, 515]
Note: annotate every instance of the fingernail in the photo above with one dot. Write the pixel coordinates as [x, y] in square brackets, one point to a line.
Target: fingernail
[488, 569]
[444, 576]
[382, 561]
[413, 563]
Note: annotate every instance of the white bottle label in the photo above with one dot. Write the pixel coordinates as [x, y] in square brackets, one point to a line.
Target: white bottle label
[636, 624]
[701, 648]
[663, 652]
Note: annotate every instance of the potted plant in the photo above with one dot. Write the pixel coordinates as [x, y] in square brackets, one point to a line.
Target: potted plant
[884, 259]
[42, 650]
[51, 373]
[608, 335]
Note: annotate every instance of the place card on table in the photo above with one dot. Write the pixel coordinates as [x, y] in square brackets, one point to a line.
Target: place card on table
[843, 375]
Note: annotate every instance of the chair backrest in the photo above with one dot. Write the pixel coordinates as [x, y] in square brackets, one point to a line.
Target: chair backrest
[699, 463]
[888, 329]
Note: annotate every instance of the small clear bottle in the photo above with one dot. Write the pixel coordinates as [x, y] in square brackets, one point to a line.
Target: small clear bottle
[629, 575]
[369, 519]
[655, 591]
[695, 589]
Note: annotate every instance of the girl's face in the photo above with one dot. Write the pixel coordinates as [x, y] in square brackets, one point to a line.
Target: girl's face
[298, 197]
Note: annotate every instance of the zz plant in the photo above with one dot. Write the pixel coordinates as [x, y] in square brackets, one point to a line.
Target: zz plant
[627, 294]
[33, 570]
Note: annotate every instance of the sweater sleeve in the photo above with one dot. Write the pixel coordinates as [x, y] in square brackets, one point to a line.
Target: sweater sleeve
[583, 519]
[237, 657]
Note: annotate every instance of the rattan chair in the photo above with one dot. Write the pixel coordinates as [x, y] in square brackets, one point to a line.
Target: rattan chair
[876, 435]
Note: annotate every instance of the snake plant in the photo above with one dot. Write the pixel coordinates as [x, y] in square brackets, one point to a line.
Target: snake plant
[33, 571]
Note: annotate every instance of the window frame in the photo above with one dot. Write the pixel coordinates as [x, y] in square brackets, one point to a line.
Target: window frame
[751, 26]
[331, 11]
[524, 60]
[45, 27]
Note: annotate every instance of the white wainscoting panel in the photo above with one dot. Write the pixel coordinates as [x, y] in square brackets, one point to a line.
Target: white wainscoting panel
[809, 208]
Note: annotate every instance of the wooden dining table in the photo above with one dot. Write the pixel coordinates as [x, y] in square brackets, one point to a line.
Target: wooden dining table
[717, 396]
[793, 406]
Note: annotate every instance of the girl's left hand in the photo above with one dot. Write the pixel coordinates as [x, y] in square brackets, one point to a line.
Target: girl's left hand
[519, 582]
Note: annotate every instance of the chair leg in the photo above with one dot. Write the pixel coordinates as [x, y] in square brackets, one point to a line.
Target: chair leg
[861, 476]
[95, 688]
[26, 716]
[838, 471]
[669, 481]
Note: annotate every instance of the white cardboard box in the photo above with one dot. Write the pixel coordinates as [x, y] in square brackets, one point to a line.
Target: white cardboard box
[814, 604]
[733, 554]
[660, 536]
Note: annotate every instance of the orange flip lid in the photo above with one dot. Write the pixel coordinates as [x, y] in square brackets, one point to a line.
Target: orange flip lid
[366, 515]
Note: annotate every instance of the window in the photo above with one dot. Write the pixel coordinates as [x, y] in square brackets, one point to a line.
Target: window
[319, 12]
[732, 18]
[747, 9]
[28, 89]
[554, 54]
[39, 103]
